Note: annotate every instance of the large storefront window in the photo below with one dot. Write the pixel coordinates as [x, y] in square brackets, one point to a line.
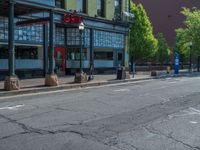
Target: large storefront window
[21, 52]
[100, 8]
[31, 34]
[74, 54]
[60, 36]
[108, 39]
[26, 52]
[3, 28]
[103, 54]
[73, 37]
[3, 52]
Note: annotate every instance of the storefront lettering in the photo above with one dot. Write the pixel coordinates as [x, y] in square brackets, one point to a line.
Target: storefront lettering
[70, 18]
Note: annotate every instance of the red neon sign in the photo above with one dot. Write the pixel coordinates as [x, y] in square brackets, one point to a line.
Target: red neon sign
[70, 18]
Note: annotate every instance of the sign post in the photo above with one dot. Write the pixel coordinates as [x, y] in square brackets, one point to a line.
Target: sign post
[176, 63]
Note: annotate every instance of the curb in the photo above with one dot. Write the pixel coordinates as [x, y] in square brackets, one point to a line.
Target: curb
[195, 74]
[66, 86]
[88, 84]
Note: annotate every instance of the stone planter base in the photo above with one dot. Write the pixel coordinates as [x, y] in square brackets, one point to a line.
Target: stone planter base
[11, 83]
[51, 80]
[80, 77]
[127, 75]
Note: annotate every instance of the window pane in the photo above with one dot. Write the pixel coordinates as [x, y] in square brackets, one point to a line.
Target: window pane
[119, 56]
[3, 52]
[26, 52]
[80, 5]
[59, 3]
[117, 9]
[103, 55]
[108, 39]
[60, 36]
[74, 54]
[100, 8]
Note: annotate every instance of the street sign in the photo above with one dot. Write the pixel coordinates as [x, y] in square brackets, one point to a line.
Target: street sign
[176, 63]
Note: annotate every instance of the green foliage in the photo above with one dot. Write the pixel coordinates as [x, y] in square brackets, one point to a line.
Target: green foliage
[163, 52]
[143, 44]
[182, 44]
[190, 33]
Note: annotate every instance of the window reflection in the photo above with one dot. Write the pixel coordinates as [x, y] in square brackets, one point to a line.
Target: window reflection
[59, 3]
[100, 8]
[81, 6]
[74, 54]
[21, 52]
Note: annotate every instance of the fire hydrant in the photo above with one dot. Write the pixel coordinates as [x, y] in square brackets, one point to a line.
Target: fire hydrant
[168, 69]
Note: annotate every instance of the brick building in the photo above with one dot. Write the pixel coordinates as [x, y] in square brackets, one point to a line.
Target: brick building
[165, 15]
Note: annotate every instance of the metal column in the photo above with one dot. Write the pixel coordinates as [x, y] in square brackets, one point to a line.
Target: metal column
[81, 49]
[91, 47]
[45, 49]
[11, 47]
[51, 42]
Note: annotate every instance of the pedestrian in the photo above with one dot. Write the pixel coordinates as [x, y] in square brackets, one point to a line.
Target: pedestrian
[91, 77]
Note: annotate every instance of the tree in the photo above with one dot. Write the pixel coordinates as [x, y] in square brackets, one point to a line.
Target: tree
[182, 44]
[143, 44]
[163, 51]
[191, 32]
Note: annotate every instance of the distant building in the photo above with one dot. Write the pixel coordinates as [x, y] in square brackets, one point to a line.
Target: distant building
[165, 15]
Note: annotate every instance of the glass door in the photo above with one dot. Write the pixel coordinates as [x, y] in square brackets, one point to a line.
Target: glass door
[60, 59]
[118, 58]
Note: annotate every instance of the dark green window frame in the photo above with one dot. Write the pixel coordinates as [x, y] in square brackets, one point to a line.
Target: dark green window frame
[101, 8]
[118, 9]
[59, 3]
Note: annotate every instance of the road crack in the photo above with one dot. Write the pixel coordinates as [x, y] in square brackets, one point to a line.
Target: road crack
[26, 128]
[13, 135]
[169, 136]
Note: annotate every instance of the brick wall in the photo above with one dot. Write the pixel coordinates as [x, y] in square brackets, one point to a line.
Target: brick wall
[165, 15]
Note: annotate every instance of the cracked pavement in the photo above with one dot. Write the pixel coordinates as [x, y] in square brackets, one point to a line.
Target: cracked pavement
[151, 115]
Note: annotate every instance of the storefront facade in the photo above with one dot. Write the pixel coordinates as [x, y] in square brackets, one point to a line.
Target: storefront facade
[28, 49]
[103, 45]
[104, 41]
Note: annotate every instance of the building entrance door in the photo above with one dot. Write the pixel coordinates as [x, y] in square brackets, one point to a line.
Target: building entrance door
[118, 57]
[60, 60]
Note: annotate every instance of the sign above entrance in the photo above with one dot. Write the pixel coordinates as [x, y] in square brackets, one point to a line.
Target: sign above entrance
[71, 18]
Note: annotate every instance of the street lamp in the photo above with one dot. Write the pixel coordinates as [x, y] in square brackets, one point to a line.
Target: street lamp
[80, 76]
[81, 29]
[190, 67]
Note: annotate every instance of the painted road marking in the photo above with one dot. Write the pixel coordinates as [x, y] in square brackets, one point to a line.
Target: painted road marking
[193, 122]
[122, 90]
[188, 112]
[16, 107]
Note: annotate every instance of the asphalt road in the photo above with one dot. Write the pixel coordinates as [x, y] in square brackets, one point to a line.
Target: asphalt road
[152, 115]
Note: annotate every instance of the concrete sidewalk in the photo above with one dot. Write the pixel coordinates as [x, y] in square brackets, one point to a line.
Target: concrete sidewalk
[37, 85]
[38, 82]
